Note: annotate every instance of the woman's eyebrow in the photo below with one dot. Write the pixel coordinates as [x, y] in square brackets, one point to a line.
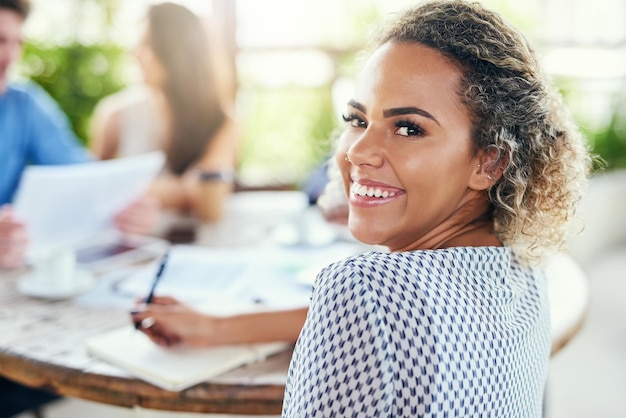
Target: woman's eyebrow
[410, 110]
[358, 106]
[396, 111]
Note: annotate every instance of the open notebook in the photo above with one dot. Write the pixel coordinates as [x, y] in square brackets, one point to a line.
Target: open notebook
[177, 368]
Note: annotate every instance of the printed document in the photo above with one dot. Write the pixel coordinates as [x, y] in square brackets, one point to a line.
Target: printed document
[64, 203]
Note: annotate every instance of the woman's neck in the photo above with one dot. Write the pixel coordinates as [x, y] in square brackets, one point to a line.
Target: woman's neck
[471, 225]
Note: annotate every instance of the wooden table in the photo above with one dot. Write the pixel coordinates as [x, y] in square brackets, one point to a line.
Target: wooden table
[41, 344]
[42, 341]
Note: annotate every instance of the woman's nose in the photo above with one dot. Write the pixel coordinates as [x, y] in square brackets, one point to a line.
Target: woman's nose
[366, 150]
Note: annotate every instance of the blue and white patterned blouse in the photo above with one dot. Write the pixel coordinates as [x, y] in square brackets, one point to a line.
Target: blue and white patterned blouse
[458, 332]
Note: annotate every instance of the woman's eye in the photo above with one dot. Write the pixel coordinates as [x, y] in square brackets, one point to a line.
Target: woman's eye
[354, 121]
[406, 128]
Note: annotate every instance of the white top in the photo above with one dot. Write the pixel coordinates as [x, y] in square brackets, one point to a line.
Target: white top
[141, 126]
[459, 332]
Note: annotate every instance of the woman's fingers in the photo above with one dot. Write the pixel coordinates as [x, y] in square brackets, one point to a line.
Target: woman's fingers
[157, 333]
[140, 217]
[165, 300]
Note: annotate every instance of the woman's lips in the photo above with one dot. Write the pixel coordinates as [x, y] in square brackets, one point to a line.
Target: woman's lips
[371, 193]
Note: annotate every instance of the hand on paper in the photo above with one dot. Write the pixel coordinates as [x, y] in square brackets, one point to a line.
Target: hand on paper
[169, 322]
[140, 217]
[13, 240]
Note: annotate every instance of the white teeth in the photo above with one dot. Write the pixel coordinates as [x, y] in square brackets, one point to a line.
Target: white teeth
[363, 191]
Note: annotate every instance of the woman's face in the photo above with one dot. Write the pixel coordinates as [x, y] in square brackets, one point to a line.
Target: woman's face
[151, 68]
[409, 148]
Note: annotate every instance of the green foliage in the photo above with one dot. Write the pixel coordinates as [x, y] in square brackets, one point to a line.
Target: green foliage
[287, 133]
[609, 142]
[77, 76]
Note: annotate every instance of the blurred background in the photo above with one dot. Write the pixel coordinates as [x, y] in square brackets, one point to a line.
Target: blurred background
[293, 62]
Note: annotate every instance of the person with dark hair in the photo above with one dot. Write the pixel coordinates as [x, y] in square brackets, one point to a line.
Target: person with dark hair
[34, 130]
[459, 157]
[184, 106]
[33, 127]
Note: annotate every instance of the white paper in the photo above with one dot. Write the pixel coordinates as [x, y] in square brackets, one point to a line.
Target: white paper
[212, 279]
[68, 202]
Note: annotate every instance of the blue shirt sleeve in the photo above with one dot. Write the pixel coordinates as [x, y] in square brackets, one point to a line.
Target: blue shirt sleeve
[33, 130]
[51, 138]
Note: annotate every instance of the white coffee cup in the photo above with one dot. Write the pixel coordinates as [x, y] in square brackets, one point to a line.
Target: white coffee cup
[55, 267]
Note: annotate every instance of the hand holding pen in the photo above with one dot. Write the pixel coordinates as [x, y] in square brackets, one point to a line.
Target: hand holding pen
[174, 317]
[157, 277]
[169, 322]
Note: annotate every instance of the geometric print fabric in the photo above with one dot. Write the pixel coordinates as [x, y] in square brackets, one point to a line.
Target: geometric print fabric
[457, 332]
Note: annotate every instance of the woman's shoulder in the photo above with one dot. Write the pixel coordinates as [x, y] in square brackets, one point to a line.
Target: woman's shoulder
[131, 96]
[422, 264]
[425, 257]
[134, 101]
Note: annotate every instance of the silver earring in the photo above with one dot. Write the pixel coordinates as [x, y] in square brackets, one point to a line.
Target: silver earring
[347, 158]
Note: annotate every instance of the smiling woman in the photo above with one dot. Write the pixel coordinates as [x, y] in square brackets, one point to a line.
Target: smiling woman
[422, 156]
[458, 157]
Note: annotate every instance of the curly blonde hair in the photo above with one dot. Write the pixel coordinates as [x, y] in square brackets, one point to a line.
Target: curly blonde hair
[516, 115]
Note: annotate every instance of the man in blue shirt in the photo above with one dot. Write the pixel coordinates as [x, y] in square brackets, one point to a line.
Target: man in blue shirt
[33, 130]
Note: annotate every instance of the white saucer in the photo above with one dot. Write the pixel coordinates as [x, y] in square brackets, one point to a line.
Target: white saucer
[31, 286]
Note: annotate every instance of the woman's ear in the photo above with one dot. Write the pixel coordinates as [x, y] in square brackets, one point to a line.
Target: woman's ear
[490, 165]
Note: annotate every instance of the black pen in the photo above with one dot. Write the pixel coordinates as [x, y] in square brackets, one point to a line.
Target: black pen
[157, 277]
